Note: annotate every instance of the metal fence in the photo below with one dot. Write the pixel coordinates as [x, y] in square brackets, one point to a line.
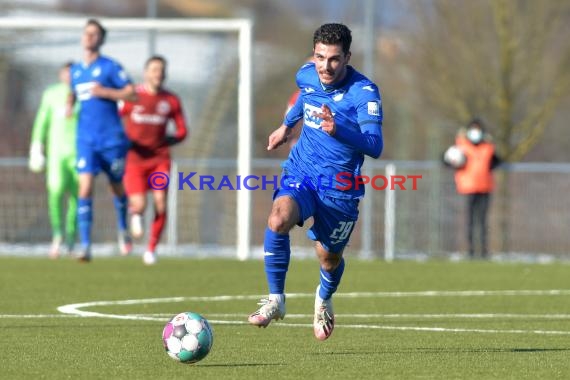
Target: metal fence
[428, 222]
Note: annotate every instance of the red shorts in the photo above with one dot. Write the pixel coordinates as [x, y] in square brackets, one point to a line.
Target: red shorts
[137, 175]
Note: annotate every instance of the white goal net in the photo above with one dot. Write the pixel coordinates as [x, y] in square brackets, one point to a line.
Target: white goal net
[209, 67]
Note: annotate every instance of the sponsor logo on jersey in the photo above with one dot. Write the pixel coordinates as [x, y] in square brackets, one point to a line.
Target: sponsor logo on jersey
[311, 120]
[152, 119]
[83, 90]
[374, 108]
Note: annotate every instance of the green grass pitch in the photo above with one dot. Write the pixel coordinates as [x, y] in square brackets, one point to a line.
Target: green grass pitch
[402, 320]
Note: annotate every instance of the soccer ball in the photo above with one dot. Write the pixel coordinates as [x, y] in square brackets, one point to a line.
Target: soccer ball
[187, 337]
[455, 157]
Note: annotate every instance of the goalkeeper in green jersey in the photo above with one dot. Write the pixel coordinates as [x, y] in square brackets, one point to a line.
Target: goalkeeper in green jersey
[53, 148]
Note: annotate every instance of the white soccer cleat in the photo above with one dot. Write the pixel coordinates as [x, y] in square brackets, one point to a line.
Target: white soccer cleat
[137, 228]
[125, 243]
[149, 258]
[323, 324]
[269, 310]
[55, 247]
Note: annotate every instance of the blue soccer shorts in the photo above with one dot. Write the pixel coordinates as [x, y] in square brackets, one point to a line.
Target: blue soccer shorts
[109, 160]
[333, 218]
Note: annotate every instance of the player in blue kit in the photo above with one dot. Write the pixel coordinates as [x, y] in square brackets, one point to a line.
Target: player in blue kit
[342, 122]
[98, 83]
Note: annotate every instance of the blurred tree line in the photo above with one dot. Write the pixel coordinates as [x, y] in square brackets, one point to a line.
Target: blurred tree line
[438, 63]
[505, 60]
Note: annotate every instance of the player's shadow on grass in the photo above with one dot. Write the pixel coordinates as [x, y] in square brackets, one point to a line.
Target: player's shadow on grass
[476, 350]
[339, 353]
[242, 365]
[441, 351]
[538, 349]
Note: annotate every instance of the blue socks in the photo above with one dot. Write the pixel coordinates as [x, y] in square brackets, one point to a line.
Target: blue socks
[85, 220]
[121, 209]
[85, 217]
[277, 255]
[330, 281]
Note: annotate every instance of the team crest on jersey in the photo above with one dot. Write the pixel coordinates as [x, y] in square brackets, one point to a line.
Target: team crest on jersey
[163, 107]
[374, 108]
[96, 72]
[338, 97]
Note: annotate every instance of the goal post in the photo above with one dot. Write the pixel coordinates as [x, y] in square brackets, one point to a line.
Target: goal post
[243, 29]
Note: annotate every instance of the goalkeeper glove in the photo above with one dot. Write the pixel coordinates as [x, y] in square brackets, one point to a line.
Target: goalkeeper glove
[37, 162]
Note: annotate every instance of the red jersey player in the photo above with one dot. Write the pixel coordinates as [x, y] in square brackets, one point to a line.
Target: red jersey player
[146, 123]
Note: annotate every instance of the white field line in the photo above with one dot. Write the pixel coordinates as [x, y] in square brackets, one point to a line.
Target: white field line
[434, 329]
[429, 293]
[394, 316]
[36, 316]
[307, 325]
[165, 316]
[75, 309]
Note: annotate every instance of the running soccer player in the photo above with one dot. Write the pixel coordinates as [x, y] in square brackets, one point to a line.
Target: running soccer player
[146, 126]
[53, 136]
[342, 115]
[98, 83]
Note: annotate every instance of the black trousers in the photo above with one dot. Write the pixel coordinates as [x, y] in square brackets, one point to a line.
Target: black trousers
[477, 207]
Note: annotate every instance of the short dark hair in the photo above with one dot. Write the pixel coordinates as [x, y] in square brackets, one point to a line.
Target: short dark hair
[102, 30]
[333, 34]
[153, 58]
[476, 121]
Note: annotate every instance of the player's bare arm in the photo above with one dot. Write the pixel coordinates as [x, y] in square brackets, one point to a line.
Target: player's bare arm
[328, 124]
[126, 93]
[278, 137]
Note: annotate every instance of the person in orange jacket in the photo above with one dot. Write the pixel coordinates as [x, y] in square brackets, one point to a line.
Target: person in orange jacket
[475, 180]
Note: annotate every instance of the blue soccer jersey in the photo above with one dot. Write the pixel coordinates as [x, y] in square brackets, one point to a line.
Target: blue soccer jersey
[99, 124]
[333, 162]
